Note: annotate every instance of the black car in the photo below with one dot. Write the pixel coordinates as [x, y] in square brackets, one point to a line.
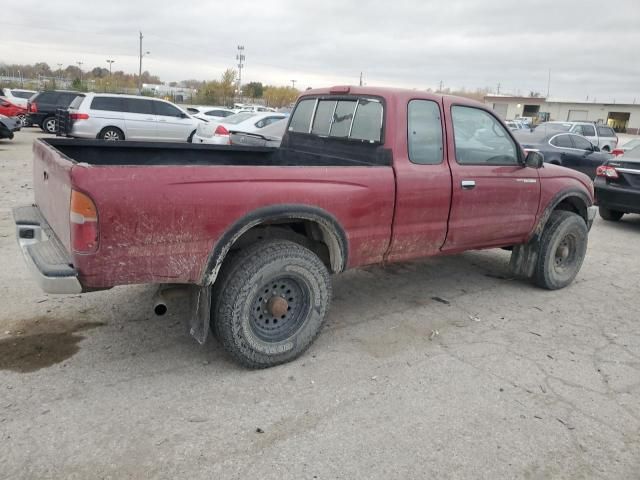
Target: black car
[564, 148]
[42, 107]
[617, 186]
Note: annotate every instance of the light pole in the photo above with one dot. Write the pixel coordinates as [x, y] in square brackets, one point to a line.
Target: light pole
[60, 71]
[80, 67]
[293, 83]
[140, 68]
[110, 62]
[240, 57]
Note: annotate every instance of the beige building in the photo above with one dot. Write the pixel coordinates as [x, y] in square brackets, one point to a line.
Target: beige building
[622, 117]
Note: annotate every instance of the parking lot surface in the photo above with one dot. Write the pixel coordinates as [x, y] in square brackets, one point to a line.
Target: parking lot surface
[440, 368]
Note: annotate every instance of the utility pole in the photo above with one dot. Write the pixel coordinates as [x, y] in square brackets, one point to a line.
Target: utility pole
[549, 83]
[360, 78]
[80, 67]
[498, 90]
[140, 67]
[240, 58]
[440, 86]
[293, 83]
[110, 62]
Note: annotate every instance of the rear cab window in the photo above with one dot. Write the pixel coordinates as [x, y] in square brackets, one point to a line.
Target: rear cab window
[350, 118]
[606, 132]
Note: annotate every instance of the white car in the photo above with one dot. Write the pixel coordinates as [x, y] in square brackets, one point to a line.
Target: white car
[17, 96]
[128, 117]
[269, 136]
[210, 113]
[250, 122]
[246, 107]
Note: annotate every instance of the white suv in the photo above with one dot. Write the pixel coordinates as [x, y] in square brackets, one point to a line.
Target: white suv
[128, 117]
[17, 96]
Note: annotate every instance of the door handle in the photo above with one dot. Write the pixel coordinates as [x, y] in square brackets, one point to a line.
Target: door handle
[468, 184]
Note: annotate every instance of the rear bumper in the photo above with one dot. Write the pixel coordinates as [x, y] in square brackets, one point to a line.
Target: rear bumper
[46, 257]
[616, 198]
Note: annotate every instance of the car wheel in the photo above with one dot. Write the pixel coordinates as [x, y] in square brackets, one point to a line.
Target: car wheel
[270, 303]
[23, 120]
[111, 134]
[610, 215]
[562, 249]
[190, 139]
[50, 125]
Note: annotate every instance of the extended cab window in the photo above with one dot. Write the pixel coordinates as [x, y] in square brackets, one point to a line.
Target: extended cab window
[587, 131]
[354, 119]
[480, 139]
[606, 132]
[424, 132]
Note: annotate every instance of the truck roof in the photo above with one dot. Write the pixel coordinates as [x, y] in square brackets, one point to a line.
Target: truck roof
[398, 94]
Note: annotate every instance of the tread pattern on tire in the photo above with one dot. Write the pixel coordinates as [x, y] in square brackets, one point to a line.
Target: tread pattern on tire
[235, 277]
[556, 220]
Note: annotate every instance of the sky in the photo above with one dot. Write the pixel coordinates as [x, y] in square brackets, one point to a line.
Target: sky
[591, 48]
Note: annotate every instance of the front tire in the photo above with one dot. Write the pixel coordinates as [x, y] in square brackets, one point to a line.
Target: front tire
[270, 303]
[610, 215]
[563, 246]
[50, 125]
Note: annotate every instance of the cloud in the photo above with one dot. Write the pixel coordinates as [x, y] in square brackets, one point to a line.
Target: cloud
[588, 45]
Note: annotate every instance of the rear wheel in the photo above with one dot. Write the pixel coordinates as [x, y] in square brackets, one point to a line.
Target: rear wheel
[610, 215]
[50, 125]
[270, 303]
[111, 134]
[23, 120]
[562, 249]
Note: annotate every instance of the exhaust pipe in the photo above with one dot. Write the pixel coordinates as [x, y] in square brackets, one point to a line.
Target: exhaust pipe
[164, 295]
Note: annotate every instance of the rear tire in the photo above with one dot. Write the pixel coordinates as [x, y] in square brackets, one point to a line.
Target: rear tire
[610, 215]
[111, 134]
[50, 125]
[270, 303]
[563, 246]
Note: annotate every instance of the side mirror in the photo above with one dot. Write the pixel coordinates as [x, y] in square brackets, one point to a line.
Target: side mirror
[596, 148]
[534, 159]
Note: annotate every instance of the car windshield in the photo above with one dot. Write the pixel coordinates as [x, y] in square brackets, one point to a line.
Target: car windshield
[239, 118]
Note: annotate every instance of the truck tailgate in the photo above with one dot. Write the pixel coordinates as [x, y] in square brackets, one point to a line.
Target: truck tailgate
[52, 188]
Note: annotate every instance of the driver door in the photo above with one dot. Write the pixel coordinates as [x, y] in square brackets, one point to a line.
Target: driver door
[495, 197]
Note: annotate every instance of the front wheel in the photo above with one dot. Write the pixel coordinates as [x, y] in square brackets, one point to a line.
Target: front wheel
[563, 246]
[610, 215]
[270, 303]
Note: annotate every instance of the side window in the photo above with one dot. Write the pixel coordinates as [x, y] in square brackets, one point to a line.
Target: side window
[342, 118]
[112, 104]
[165, 109]
[424, 132]
[367, 123]
[561, 141]
[580, 143]
[480, 139]
[138, 105]
[301, 118]
[48, 98]
[588, 131]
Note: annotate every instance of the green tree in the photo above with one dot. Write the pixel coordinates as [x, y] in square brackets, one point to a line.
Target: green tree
[253, 89]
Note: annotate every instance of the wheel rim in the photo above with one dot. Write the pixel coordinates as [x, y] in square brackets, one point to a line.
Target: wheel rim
[50, 126]
[566, 254]
[111, 135]
[279, 309]
[23, 120]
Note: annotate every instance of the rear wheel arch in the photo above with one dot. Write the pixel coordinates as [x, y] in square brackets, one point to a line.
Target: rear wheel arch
[111, 128]
[311, 227]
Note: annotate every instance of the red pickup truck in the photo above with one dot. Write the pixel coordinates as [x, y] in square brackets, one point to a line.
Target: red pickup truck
[363, 176]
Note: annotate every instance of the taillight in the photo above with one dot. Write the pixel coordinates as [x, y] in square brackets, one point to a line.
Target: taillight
[616, 152]
[220, 130]
[32, 107]
[606, 171]
[79, 116]
[83, 217]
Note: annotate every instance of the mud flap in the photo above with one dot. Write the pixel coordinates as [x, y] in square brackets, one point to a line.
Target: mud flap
[200, 317]
[524, 258]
